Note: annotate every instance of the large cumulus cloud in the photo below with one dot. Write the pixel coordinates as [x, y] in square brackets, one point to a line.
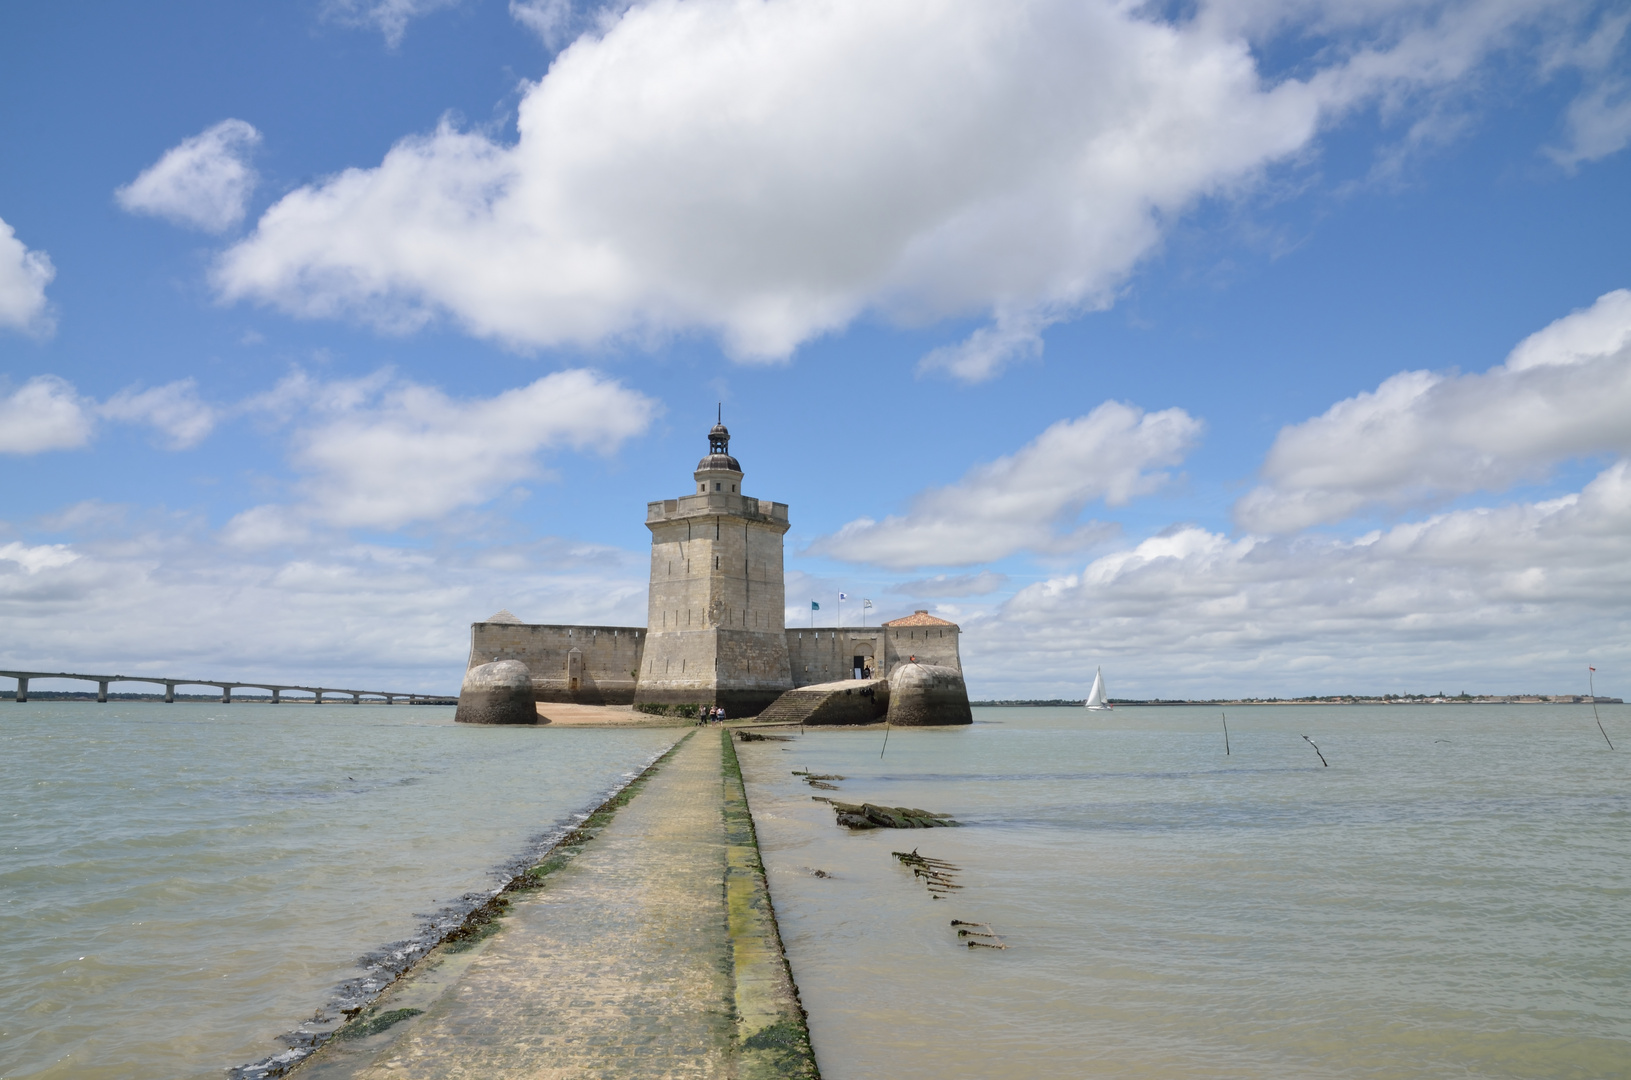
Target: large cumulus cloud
[768, 171]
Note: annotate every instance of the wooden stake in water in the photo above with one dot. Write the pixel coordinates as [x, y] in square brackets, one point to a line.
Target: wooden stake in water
[1310, 742]
[1225, 734]
[885, 736]
[1591, 676]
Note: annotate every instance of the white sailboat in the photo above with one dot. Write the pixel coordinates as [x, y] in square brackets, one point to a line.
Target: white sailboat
[1095, 696]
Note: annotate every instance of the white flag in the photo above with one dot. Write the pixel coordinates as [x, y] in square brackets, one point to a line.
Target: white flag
[865, 602]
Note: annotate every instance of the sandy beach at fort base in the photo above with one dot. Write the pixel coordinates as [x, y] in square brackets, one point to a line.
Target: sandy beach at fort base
[564, 714]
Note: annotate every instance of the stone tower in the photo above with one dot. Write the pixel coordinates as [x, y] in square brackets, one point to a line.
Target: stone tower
[715, 632]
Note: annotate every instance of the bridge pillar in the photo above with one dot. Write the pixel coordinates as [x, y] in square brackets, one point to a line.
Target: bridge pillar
[390, 699]
[226, 695]
[276, 697]
[169, 693]
[22, 688]
[319, 699]
[356, 699]
[102, 691]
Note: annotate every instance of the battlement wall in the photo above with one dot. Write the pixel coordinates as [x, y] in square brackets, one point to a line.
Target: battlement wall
[826, 654]
[589, 665]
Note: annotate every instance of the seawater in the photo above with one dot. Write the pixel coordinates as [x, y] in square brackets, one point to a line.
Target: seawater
[1451, 897]
[181, 884]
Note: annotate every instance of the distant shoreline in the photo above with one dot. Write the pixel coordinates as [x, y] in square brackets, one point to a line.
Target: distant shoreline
[1421, 699]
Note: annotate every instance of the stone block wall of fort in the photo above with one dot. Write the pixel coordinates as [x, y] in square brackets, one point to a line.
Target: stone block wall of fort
[591, 665]
[825, 653]
[608, 656]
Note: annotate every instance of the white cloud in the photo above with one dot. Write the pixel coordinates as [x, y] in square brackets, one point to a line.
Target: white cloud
[769, 171]
[175, 409]
[383, 454]
[203, 182]
[1563, 393]
[48, 413]
[45, 413]
[39, 557]
[1029, 500]
[988, 350]
[1514, 597]
[389, 17]
[24, 274]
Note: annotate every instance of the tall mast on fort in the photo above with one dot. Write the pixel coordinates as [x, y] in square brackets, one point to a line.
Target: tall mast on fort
[715, 632]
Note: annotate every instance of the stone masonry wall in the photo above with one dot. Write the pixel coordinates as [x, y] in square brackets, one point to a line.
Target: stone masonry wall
[825, 653]
[603, 673]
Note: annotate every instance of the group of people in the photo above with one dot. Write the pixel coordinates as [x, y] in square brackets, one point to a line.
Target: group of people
[710, 714]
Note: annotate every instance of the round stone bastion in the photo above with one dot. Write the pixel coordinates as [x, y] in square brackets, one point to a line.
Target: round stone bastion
[927, 695]
[497, 693]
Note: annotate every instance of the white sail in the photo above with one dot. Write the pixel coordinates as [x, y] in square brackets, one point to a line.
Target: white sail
[1095, 697]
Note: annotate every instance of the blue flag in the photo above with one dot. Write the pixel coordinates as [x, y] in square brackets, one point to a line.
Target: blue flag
[814, 606]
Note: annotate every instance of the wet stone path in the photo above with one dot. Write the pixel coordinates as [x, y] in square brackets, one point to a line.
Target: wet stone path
[622, 965]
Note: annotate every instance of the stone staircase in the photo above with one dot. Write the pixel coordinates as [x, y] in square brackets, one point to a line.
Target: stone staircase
[852, 701]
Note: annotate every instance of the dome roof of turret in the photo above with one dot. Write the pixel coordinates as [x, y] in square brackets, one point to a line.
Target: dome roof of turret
[716, 462]
[719, 447]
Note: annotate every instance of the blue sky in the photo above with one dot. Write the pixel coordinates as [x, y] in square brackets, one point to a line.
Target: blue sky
[1238, 347]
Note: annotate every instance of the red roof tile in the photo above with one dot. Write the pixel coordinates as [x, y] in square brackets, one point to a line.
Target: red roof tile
[919, 618]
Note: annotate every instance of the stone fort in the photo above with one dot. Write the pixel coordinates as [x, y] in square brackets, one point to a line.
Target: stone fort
[715, 632]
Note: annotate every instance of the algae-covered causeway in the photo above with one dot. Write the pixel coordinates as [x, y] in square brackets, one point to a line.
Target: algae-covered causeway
[651, 915]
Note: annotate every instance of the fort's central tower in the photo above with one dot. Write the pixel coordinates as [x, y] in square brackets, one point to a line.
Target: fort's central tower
[715, 632]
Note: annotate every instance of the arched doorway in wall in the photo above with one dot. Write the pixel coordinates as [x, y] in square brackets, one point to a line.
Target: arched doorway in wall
[574, 669]
[861, 660]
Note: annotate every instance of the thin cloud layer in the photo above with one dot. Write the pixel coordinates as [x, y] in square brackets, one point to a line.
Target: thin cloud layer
[389, 17]
[174, 410]
[24, 274]
[363, 614]
[1421, 436]
[385, 453]
[1028, 501]
[768, 171]
[1531, 589]
[204, 182]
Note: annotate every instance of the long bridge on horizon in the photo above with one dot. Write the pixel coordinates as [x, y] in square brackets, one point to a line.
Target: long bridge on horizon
[227, 686]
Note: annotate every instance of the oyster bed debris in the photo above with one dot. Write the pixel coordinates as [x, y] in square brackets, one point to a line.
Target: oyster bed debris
[936, 873]
[978, 935]
[819, 780]
[870, 816]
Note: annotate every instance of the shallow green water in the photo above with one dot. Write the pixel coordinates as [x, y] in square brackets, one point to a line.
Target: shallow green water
[1450, 898]
[180, 884]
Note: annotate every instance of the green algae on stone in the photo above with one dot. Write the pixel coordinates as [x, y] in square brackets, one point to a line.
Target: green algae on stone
[364, 1026]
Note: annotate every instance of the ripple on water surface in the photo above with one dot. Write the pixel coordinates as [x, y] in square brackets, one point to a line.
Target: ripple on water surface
[181, 883]
[1450, 898]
